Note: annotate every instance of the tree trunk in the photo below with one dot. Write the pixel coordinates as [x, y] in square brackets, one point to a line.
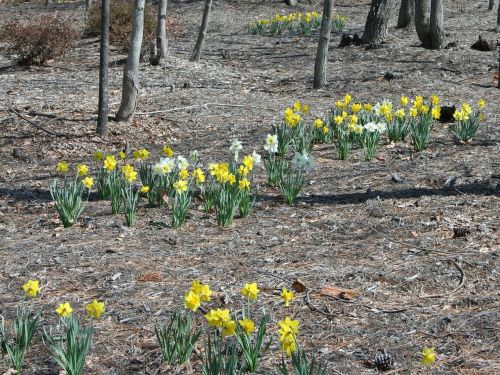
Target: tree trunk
[290, 2]
[422, 22]
[203, 32]
[377, 22]
[323, 42]
[406, 13]
[130, 88]
[88, 3]
[491, 4]
[103, 109]
[161, 29]
[498, 23]
[436, 25]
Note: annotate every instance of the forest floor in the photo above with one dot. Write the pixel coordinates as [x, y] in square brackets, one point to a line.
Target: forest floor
[353, 226]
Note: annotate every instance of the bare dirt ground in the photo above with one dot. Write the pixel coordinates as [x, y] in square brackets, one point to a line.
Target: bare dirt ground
[353, 227]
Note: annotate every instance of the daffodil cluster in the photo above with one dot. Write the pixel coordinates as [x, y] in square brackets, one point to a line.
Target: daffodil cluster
[295, 22]
[467, 121]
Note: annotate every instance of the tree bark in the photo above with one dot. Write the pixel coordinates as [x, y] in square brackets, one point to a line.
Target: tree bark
[323, 42]
[406, 13]
[88, 3]
[290, 2]
[198, 48]
[422, 22]
[103, 108]
[130, 88]
[161, 29]
[377, 22]
[498, 23]
[491, 4]
[436, 24]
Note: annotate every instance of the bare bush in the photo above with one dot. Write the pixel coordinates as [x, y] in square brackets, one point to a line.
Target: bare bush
[39, 40]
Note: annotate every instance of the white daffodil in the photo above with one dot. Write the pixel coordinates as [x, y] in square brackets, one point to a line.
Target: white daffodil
[182, 162]
[235, 147]
[271, 145]
[257, 159]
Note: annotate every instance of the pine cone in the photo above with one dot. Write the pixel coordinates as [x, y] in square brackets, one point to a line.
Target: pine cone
[383, 361]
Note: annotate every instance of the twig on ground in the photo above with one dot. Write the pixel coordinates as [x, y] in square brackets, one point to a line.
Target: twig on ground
[460, 284]
[39, 127]
[50, 115]
[205, 106]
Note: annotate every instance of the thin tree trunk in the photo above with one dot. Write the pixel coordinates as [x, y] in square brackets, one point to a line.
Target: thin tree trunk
[88, 3]
[498, 23]
[436, 25]
[422, 22]
[406, 13]
[198, 48]
[290, 2]
[130, 88]
[377, 22]
[491, 4]
[324, 41]
[103, 109]
[161, 28]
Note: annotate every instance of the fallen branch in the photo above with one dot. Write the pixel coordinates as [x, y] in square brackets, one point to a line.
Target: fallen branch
[55, 117]
[39, 127]
[204, 106]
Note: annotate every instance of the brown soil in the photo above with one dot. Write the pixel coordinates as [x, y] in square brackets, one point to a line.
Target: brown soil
[352, 227]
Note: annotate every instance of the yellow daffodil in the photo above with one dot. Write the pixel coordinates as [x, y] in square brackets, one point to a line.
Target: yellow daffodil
[288, 296]
[183, 174]
[325, 130]
[318, 123]
[244, 184]
[436, 112]
[338, 120]
[144, 189]
[356, 107]
[247, 325]
[428, 356]
[466, 108]
[199, 176]
[64, 310]
[129, 174]
[109, 163]
[192, 301]
[339, 104]
[413, 112]
[62, 167]
[481, 103]
[347, 99]
[400, 113]
[243, 170]
[122, 155]
[167, 151]
[231, 178]
[434, 100]
[248, 162]
[31, 288]
[229, 328]
[218, 317]
[141, 154]
[424, 109]
[368, 107]
[292, 325]
[180, 186]
[95, 309]
[418, 102]
[202, 290]
[88, 182]
[98, 155]
[288, 343]
[403, 101]
[250, 290]
[296, 106]
[82, 170]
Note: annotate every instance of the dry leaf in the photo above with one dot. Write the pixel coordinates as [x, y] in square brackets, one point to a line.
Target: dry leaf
[336, 292]
[150, 277]
[299, 286]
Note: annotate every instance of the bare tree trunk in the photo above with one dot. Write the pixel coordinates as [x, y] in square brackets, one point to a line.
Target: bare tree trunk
[290, 2]
[198, 48]
[88, 3]
[498, 25]
[324, 41]
[406, 13]
[377, 22]
[103, 109]
[491, 4]
[422, 22]
[130, 88]
[436, 25]
[161, 28]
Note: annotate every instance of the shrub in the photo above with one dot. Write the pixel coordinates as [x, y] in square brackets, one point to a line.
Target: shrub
[39, 40]
[120, 22]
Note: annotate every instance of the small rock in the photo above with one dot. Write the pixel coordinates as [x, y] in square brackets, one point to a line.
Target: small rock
[396, 178]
